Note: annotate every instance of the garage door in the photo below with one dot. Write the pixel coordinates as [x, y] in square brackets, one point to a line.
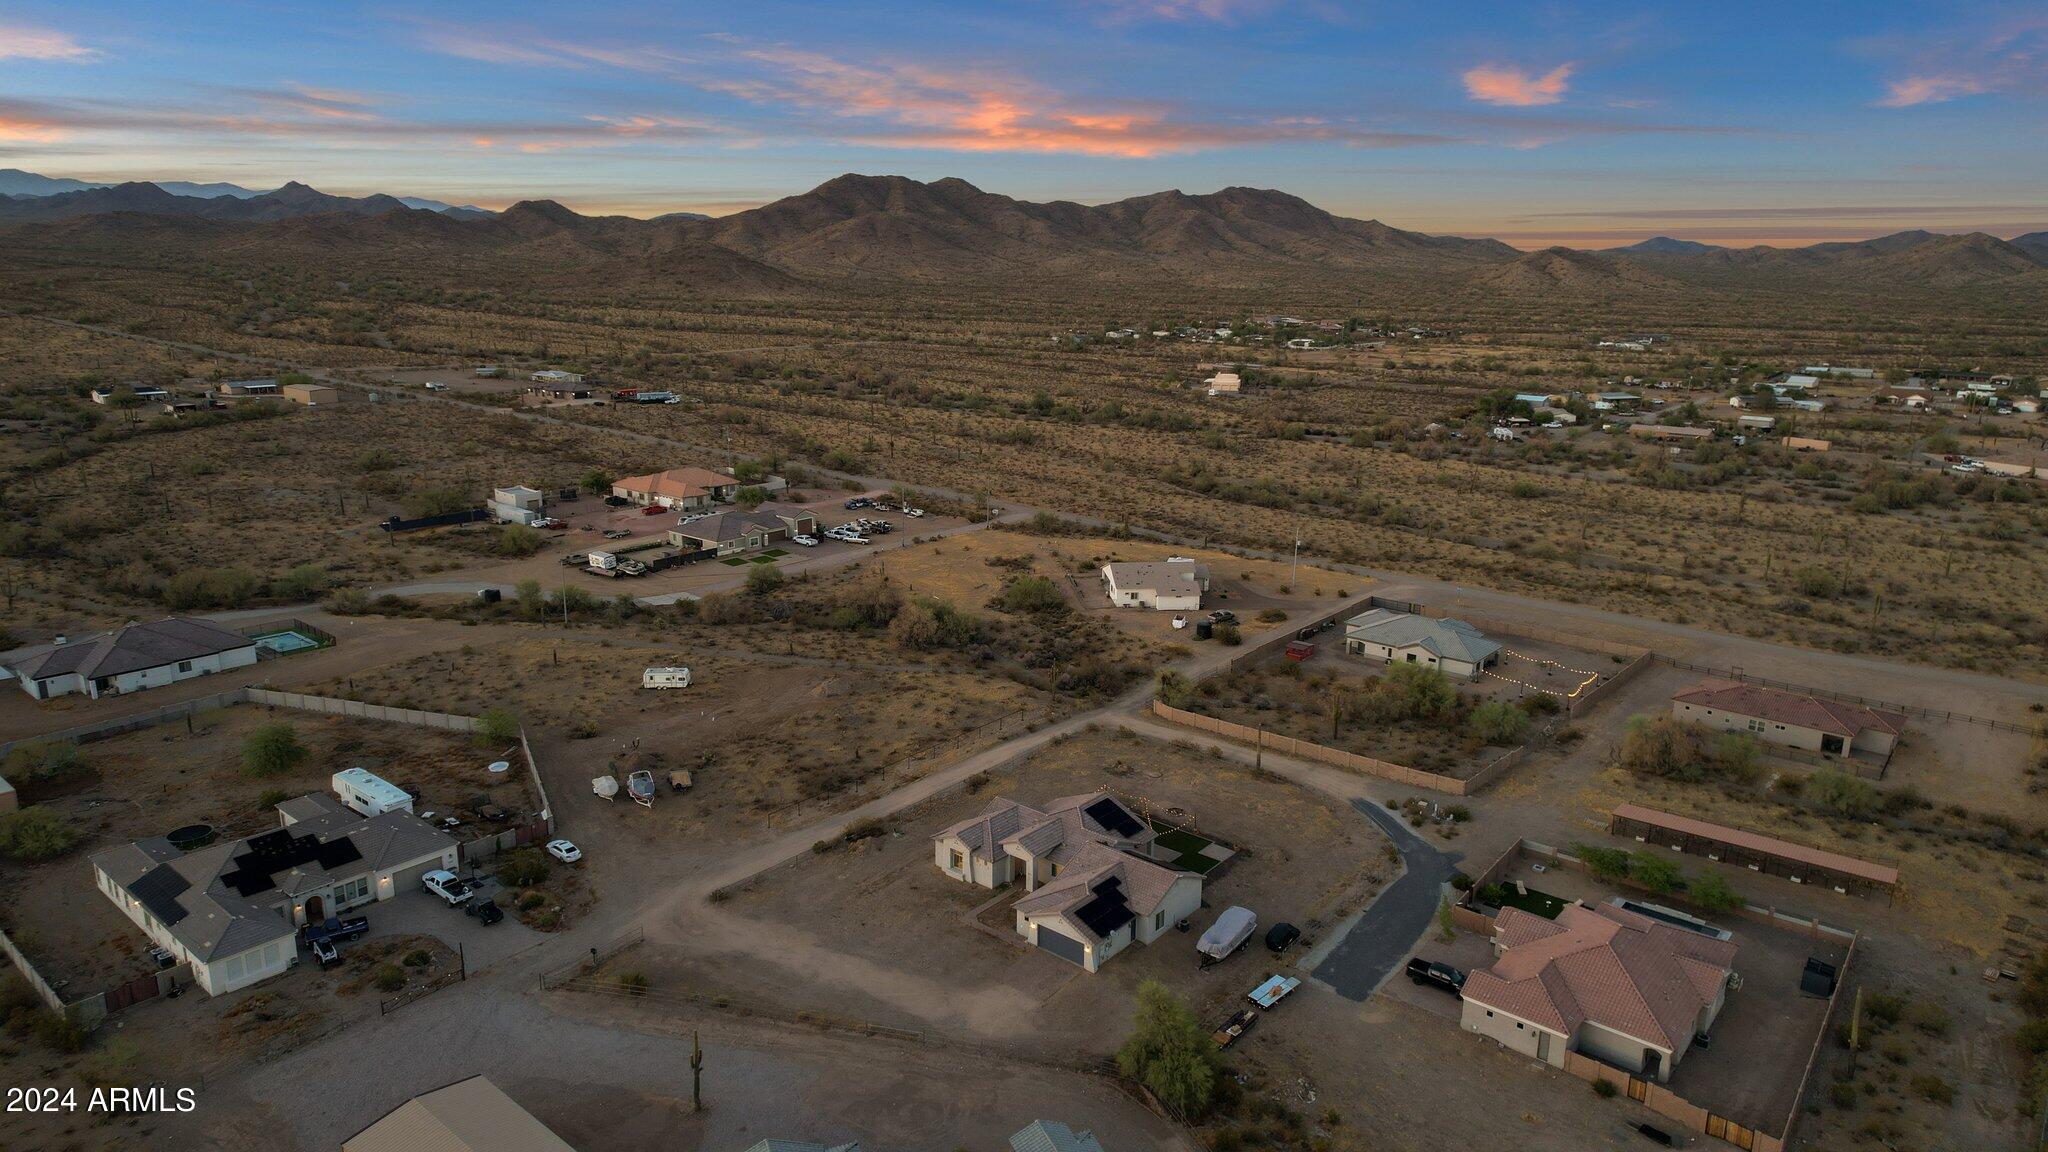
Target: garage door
[1064, 947]
[408, 880]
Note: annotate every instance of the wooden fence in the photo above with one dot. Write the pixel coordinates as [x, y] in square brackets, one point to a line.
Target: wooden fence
[1337, 757]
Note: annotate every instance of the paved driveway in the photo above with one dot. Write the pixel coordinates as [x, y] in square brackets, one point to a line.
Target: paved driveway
[482, 945]
[1381, 939]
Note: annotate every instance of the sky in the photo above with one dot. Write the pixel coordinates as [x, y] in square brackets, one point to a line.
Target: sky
[1587, 124]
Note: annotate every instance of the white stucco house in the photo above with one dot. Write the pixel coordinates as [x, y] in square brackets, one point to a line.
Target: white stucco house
[231, 910]
[1605, 982]
[134, 657]
[1093, 884]
[517, 504]
[1452, 647]
[1167, 585]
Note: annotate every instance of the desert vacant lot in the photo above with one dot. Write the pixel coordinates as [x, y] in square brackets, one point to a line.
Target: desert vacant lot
[148, 782]
[761, 730]
[828, 932]
[970, 569]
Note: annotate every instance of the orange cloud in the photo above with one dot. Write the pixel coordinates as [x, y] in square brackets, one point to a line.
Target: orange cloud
[20, 129]
[21, 42]
[922, 107]
[1930, 90]
[1516, 87]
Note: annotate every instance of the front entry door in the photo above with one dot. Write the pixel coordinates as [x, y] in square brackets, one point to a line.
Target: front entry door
[316, 909]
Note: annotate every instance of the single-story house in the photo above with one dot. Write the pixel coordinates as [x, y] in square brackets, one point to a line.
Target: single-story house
[1166, 585]
[245, 389]
[1605, 982]
[134, 657]
[1223, 384]
[312, 395]
[1906, 397]
[517, 504]
[1091, 881]
[1452, 647]
[141, 392]
[559, 391]
[1824, 370]
[556, 376]
[1052, 1136]
[683, 489]
[231, 909]
[1792, 719]
[1757, 423]
[471, 1115]
[1669, 432]
[737, 531]
[1614, 401]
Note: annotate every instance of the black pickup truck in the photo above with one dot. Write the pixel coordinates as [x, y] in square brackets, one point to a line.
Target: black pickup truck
[1437, 976]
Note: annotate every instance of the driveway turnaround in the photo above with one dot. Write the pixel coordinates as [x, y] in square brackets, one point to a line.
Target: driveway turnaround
[1381, 939]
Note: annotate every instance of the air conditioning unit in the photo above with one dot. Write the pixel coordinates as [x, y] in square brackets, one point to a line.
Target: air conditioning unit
[1711, 856]
[1735, 981]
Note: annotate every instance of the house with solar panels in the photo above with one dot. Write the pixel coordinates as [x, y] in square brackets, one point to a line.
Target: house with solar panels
[232, 910]
[1092, 873]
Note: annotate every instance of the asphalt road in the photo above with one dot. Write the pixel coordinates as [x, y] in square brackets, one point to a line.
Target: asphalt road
[1381, 939]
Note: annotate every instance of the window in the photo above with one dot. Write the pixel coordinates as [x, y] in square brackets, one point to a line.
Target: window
[1158, 920]
[1518, 1025]
[184, 665]
[958, 864]
[1756, 725]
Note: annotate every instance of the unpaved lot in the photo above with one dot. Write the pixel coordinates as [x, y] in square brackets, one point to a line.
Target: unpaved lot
[830, 931]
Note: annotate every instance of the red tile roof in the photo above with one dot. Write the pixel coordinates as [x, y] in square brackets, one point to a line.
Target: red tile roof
[1791, 708]
[1608, 966]
[1759, 843]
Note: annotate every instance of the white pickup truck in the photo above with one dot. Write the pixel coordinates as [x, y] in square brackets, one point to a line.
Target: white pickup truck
[448, 886]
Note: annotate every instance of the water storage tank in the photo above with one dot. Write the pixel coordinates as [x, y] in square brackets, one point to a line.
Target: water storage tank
[1204, 629]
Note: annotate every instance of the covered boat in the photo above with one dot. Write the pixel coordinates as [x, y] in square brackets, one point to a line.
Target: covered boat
[1231, 929]
[641, 785]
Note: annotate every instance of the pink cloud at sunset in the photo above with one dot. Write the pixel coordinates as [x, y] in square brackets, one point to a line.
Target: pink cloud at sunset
[1516, 87]
[21, 42]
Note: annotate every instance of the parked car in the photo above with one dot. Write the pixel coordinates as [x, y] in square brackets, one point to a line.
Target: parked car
[854, 538]
[616, 533]
[806, 541]
[617, 501]
[575, 560]
[1281, 936]
[1223, 616]
[485, 911]
[436, 386]
[448, 886]
[652, 510]
[914, 513]
[1441, 976]
[860, 502]
[565, 851]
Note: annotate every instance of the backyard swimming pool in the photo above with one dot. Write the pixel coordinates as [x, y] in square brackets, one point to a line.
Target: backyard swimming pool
[285, 641]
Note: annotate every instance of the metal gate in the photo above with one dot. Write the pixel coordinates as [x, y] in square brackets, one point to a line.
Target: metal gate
[1722, 1128]
[133, 992]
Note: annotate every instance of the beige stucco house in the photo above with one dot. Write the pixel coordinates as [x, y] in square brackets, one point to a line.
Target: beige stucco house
[1792, 720]
[1165, 585]
[1604, 982]
[1092, 878]
[231, 909]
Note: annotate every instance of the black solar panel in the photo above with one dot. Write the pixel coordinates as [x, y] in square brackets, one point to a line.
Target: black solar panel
[1112, 817]
[158, 890]
[1108, 911]
[281, 851]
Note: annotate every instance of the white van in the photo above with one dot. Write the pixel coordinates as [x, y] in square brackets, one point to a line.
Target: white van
[665, 678]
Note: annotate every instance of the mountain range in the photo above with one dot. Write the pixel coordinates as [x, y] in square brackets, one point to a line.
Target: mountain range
[16, 183]
[858, 228]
